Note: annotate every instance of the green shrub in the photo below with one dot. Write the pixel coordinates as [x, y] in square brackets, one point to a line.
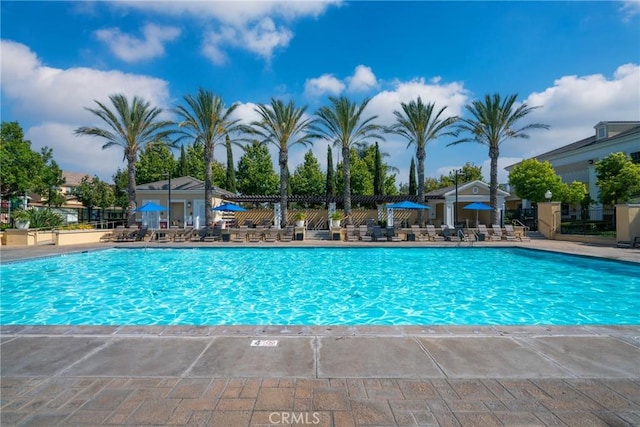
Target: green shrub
[45, 218]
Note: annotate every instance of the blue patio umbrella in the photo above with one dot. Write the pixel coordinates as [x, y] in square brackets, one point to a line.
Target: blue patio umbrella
[406, 204]
[478, 207]
[228, 207]
[151, 207]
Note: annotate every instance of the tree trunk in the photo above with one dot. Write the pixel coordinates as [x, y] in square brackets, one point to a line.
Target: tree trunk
[494, 152]
[420, 155]
[346, 161]
[284, 156]
[208, 184]
[131, 208]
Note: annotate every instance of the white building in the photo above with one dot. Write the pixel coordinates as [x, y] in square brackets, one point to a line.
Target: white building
[576, 161]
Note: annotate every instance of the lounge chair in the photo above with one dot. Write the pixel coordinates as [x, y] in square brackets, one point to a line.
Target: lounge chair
[212, 234]
[450, 234]
[197, 235]
[433, 234]
[270, 235]
[635, 243]
[392, 236]
[377, 234]
[182, 235]
[287, 234]
[420, 233]
[241, 234]
[482, 229]
[351, 234]
[509, 233]
[497, 231]
[363, 233]
[255, 235]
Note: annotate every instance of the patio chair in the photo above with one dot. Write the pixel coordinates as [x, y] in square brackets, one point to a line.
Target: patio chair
[635, 243]
[255, 235]
[351, 234]
[287, 234]
[197, 235]
[241, 234]
[181, 235]
[270, 235]
[420, 233]
[497, 231]
[377, 234]
[510, 233]
[433, 234]
[392, 236]
[212, 234]
[363, 233]
[482, 229]
[450, 234]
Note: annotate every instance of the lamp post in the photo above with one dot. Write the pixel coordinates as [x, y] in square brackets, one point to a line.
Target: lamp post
[455, 207]
[547, 195]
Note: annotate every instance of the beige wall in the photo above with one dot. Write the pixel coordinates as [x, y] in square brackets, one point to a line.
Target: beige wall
[627, 222]
[549, 219]
[15, 237]
[75, 237]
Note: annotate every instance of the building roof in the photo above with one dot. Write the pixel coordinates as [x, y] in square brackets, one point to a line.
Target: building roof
[183, 183]
[440, 193]
[586, 142]
[73, 179]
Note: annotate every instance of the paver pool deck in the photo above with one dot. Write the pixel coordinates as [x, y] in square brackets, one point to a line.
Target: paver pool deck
[321, 375]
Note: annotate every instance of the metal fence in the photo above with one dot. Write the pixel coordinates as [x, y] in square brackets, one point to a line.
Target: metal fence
[594, 222]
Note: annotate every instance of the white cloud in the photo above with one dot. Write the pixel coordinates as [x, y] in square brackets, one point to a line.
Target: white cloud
[55, 98]
[262, 39]
[574, 104]
[132, 49]
[629, 9]
[325, 84]
[259, 27]
[362, 80]
[452, 95]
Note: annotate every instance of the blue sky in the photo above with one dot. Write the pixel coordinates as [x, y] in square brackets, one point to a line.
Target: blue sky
[579, 60]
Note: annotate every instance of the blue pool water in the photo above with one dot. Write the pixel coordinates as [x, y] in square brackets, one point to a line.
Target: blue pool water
[320, 286]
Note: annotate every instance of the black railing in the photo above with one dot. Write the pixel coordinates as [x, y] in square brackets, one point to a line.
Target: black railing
[593, 222]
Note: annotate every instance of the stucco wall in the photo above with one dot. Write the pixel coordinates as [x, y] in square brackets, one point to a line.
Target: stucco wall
[627, 222]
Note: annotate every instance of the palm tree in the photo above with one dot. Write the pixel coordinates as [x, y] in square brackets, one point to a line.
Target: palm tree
[206, 120]
[283, 126]
[492, 122]
[343, 123]
[130, 126]
[417, 124]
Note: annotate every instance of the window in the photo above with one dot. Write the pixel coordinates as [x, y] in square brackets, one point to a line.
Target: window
[635, 157]
[601, 132]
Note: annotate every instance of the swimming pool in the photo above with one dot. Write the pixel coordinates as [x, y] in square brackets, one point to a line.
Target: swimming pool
[320, 286]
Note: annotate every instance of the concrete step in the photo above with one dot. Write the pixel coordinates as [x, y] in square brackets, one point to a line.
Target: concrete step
[535, 235]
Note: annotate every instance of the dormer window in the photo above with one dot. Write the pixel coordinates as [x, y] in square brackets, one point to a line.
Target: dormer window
[601, 132]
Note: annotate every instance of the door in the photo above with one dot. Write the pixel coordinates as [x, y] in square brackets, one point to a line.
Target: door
[198, 214]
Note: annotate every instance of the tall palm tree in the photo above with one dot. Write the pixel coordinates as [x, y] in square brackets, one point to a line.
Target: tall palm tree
[492, 122]
[417, 123]
[207, 121]
[283, 126]
[130, 126]
[343, 123]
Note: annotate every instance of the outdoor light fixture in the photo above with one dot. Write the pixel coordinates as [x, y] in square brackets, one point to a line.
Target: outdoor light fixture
[548, 195]
[167, 174]
[188, 204]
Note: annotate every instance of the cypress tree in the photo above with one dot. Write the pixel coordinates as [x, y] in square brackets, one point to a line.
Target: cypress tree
[183, 164]
[230, 181]
[378, 178]
[413, 185]
[331, 179]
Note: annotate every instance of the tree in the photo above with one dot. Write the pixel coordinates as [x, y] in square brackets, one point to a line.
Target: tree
[618, 179]
[130, 127]
[51, 179]
[86, 194]
[20, 167]
[255, 171]
[467, 173]
[330, 187]
[531, 179]
[413, 186]
[206, 120]
[307, 178]
[120, 186]
[418, 125]
[183, 163]
[283, 126]
[378, 174]
[155, 161]
[493, 122]
[230, 176]
[343, 124]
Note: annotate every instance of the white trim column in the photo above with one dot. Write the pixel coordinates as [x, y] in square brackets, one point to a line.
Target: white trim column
[448, 212]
